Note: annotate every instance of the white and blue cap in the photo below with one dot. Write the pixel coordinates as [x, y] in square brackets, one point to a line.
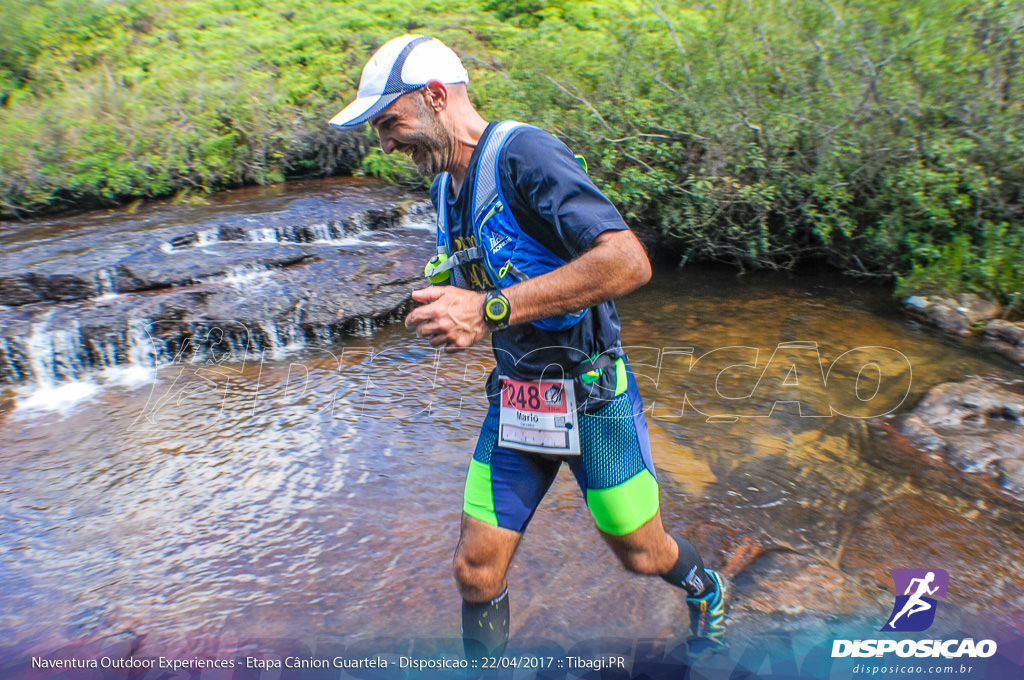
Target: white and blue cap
[402, 65]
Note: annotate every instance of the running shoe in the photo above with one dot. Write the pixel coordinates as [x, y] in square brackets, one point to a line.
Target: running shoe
[708, 615]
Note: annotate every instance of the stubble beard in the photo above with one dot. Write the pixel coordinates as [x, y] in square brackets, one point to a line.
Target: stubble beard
[433, 143]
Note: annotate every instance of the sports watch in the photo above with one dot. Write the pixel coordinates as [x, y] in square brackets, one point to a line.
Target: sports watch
[496, 310]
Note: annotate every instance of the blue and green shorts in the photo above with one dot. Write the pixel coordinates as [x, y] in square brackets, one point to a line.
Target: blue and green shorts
[614, 470]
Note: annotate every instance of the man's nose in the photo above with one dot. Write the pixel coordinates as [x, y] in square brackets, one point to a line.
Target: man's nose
[387, 145]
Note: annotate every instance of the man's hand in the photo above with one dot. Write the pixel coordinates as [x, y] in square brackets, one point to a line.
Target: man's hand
[454, 319]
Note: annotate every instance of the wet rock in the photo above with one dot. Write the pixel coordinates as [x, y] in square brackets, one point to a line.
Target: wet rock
[917, 303]
[29, 287]
[978, 309]
[970, 314]
[949, 319]
[18, 290]
[156, 268]
[66, 286]
[232, 232]
[323, 292]
[975, 426]
[969, 539]
[300, 271]
[1005, 331]
[1007, 338]
[92, 263]
[961, 315]
[791, 585]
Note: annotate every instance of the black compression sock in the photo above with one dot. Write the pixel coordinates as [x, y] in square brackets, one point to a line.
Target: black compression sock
[688, 572]
[485, 627]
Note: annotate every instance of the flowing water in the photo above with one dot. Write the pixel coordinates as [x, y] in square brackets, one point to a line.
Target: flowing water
[218, 503]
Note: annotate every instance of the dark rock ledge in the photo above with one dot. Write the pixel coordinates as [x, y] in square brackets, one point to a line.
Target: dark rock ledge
[970, 315]
[211, 294]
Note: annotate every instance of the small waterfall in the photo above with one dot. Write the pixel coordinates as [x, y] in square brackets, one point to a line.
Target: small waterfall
[327, 232]
[53, 370]
[142, 350]
[56, 362]
[413, 215]
[262, 235]
[10, 361]
[418, 215]
[106, 352]
[279, 342]
[59, 367]
[357, 223]
[207, 237]
[322, 232]
[295, 337]
[363, 327]
[55, 355]
[105, 321]
[105, 283]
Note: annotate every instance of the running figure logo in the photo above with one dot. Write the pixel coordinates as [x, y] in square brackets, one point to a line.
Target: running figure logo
[914, 610]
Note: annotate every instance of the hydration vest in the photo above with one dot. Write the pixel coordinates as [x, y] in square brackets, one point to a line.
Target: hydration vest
[508, 254]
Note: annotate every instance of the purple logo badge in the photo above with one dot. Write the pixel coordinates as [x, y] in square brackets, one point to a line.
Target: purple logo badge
[916, 593]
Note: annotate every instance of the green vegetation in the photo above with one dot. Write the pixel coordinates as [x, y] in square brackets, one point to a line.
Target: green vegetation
[882, 135]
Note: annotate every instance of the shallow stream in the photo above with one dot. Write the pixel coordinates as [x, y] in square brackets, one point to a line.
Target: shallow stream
[222, 503]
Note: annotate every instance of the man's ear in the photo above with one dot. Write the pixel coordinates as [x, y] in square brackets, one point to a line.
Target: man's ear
[436, 94]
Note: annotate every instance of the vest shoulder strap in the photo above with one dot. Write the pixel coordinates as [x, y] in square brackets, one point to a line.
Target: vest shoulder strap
[486, 189]
[487, 180]
[443, 182]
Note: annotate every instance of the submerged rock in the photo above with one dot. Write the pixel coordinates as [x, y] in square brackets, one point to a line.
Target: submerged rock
[976, 427]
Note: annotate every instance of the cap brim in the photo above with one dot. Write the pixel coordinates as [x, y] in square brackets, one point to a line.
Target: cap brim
[362, 110]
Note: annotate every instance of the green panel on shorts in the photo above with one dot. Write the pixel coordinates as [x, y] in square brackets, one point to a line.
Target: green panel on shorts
[479, 498]
[623, 509]
[621, 379]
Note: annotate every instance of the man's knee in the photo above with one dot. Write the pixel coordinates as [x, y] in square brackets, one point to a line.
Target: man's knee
[647, 550]
[478, 580]
[482, 559]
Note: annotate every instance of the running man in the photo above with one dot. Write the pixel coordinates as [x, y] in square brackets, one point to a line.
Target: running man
[532, 254]
[915, 604]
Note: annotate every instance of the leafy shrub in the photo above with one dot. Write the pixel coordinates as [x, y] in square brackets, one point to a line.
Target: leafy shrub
[881, 135]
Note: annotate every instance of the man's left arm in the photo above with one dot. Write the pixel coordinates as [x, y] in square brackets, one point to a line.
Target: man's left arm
[614, 265]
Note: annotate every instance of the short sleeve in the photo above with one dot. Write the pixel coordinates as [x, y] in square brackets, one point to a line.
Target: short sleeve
[555, 200]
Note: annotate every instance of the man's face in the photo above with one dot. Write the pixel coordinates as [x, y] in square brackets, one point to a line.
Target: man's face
[410, 126]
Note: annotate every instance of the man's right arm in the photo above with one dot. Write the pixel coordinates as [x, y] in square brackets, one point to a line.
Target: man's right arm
[614, 265]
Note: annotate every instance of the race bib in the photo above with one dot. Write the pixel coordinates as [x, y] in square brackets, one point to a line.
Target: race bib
[539, 416]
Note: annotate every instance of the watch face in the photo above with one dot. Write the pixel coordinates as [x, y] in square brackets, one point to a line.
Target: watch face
[497, 309]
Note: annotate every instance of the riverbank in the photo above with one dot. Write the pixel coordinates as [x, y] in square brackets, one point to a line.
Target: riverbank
[818, 136]
[969, 315]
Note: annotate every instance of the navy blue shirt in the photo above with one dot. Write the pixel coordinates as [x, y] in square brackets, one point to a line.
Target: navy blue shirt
[555, 202]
